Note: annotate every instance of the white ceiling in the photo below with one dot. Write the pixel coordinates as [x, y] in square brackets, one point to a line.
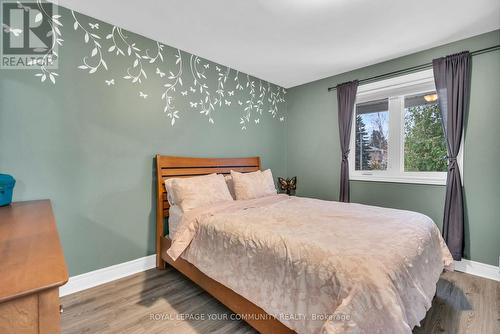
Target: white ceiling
[291, 42]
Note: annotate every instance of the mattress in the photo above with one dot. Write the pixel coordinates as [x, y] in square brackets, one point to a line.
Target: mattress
[319, 266]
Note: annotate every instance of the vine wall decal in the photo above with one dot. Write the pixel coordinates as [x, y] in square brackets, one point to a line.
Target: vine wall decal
[207, 88]
[95, 61]
[57, 40]
[175, 79]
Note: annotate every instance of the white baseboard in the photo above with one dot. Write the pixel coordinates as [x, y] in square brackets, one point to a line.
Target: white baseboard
[117, 271]
[478, 269]
[108, 274]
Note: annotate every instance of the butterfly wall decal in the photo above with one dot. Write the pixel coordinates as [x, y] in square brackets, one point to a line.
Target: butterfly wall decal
[160, 73]
[110, 82]
[144, 96]
[288, 185]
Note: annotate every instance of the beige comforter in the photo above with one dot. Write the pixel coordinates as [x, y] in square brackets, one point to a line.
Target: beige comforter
[319, 266]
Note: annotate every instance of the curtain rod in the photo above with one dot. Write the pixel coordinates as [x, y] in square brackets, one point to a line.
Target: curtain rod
[416, 68]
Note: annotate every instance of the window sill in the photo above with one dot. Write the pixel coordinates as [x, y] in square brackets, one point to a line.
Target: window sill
[400, 179]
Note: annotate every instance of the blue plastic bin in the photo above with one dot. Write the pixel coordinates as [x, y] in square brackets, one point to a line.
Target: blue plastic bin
[7, 183]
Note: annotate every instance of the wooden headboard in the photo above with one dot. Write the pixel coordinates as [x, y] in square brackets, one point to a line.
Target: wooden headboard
[168, 167]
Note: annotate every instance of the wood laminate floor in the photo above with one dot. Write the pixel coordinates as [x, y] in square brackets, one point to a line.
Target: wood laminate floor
[155, 302]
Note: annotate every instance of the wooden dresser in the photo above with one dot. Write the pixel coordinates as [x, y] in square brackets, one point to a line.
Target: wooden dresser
[32, 269]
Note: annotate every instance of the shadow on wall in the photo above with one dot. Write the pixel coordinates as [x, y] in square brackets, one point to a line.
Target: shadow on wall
[113, 226]
[467, 254]
[151, 242]
[88, 256]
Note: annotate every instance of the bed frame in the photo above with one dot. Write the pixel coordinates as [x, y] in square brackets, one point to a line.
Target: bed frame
[168, 167]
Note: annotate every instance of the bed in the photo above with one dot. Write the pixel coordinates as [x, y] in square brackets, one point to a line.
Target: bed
[360, 269]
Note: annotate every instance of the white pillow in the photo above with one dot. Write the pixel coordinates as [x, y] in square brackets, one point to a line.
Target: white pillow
[253, 185]
[230, 185]
[190, 193]
[174, 219]
[170, 192]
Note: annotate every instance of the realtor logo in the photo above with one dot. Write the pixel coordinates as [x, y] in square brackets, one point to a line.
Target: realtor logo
[29, 34]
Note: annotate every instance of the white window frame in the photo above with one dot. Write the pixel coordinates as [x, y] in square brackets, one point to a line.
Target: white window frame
[395, 89]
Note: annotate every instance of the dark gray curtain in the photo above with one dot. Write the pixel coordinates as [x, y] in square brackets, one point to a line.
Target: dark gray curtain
[346, 95]
[452, 78]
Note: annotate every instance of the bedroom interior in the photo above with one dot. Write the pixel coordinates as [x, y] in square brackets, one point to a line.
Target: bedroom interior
[217, 168]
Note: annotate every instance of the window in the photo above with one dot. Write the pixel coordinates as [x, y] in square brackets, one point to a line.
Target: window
[424, 142]
[397, 134]
[372, 134]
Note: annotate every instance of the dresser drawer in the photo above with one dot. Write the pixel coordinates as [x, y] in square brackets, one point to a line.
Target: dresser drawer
[33, 313]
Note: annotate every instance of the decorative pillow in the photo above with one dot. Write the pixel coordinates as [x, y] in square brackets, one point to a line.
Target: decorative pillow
[193, 192]
[230, 185]
[253, 185]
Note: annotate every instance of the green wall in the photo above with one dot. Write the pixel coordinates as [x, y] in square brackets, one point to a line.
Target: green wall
[89, 147]
[313, 152]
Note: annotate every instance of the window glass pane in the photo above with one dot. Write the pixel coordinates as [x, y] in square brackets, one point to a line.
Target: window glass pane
[424, 148]
[372, 134]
